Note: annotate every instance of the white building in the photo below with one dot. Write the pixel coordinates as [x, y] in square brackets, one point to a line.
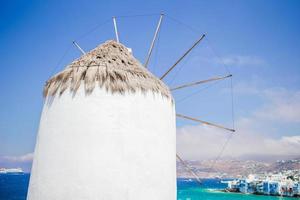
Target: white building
[107, 132]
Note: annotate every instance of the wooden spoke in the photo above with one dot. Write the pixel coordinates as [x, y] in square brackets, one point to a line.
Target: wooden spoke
[116, 29]
[78, 47]
[200, 82]
[188, 168]
[204, 122]
[186, 53]
[154, 39]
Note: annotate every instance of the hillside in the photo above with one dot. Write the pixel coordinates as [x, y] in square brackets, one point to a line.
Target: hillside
[235, 168]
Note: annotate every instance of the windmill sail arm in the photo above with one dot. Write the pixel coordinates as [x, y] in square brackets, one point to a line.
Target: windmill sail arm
[205, 122]
[200, 82]
[154, 39]
[178, 61]
[116, 29]
[188, 168]
[79, 48]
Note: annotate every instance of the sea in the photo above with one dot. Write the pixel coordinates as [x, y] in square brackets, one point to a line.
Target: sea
[14, 187]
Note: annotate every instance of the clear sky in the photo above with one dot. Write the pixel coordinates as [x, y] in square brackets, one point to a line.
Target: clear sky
[257, 41]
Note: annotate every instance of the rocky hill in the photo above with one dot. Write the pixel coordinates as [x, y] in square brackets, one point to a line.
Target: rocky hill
[282, 165]
[235, 168]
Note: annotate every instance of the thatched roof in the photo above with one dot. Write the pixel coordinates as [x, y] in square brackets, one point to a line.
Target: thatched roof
[110, 66]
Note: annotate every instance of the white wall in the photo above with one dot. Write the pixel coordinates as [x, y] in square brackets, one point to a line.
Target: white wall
[105, 147]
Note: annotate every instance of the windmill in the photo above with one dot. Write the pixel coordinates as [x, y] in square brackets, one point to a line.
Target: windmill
[107, 118]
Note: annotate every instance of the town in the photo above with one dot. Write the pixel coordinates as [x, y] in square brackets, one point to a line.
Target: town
[286, 183]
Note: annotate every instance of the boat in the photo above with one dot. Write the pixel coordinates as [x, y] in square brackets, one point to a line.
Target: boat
[11, 171]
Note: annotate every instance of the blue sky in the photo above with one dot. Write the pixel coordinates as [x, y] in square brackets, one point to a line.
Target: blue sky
[257, 41]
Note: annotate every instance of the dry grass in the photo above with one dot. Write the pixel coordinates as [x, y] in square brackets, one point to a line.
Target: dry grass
[110, 66]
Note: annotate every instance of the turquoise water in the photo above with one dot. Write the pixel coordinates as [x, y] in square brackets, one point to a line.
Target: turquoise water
[14, 187]
[209, 191]
[197, 194]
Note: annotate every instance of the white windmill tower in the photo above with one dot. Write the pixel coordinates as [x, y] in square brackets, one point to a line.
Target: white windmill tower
[107, 130]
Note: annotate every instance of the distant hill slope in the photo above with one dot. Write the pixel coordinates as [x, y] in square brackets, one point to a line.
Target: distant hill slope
[235, 168]
[285, 165]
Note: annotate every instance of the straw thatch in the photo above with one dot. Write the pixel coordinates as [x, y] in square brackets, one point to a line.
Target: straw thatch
[110, 66]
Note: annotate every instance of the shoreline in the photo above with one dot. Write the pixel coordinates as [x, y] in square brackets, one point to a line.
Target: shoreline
[226, 190]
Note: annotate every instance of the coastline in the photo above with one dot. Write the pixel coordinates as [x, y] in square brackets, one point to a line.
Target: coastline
[226, 190]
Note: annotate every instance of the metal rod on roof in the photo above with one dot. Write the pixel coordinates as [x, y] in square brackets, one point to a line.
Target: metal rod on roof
[79, 48]
[204, 122]
[188, 168]
[154, 39]
[178, 61]
[200, 82]
[116, 29]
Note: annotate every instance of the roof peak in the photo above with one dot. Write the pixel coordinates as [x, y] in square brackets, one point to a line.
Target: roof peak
[111, 66]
